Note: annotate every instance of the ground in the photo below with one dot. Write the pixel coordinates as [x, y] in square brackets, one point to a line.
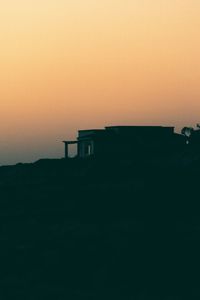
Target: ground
[88, 229]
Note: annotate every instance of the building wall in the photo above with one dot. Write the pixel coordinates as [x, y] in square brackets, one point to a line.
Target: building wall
[125, 141]
[86, 148]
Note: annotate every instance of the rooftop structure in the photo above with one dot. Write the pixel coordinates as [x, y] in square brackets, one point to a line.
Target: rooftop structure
[124, 141]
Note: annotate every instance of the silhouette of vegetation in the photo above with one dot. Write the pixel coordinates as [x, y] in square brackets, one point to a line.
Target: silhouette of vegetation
[187, 131]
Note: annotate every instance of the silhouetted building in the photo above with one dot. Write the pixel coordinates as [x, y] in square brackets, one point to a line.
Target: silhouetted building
[194, 139]
[126, 141]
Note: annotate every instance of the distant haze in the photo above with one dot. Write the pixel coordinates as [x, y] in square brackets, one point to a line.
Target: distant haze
[70, 64]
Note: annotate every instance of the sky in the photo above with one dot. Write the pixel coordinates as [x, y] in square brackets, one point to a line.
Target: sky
[76, 64]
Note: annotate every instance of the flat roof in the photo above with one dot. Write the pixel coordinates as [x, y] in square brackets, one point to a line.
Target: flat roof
[125, 127]
[85, 130]
[70, 142]
[139, 126]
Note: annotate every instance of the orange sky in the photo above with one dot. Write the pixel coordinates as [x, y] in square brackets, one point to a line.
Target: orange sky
[70, 64]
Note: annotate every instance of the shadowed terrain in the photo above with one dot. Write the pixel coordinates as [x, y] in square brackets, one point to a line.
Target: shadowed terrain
[92, 229]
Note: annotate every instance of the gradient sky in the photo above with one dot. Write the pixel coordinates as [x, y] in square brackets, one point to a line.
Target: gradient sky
[75, 64]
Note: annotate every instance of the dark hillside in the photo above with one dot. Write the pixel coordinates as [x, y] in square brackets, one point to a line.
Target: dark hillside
[90, 229]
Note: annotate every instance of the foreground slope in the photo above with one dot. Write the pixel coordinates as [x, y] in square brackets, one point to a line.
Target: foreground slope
[89, 229]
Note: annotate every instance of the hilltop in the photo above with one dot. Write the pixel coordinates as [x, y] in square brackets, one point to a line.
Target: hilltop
[93, 229]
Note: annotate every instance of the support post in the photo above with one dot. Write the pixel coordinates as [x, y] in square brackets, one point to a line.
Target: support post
[66, 150]
[67, 143]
